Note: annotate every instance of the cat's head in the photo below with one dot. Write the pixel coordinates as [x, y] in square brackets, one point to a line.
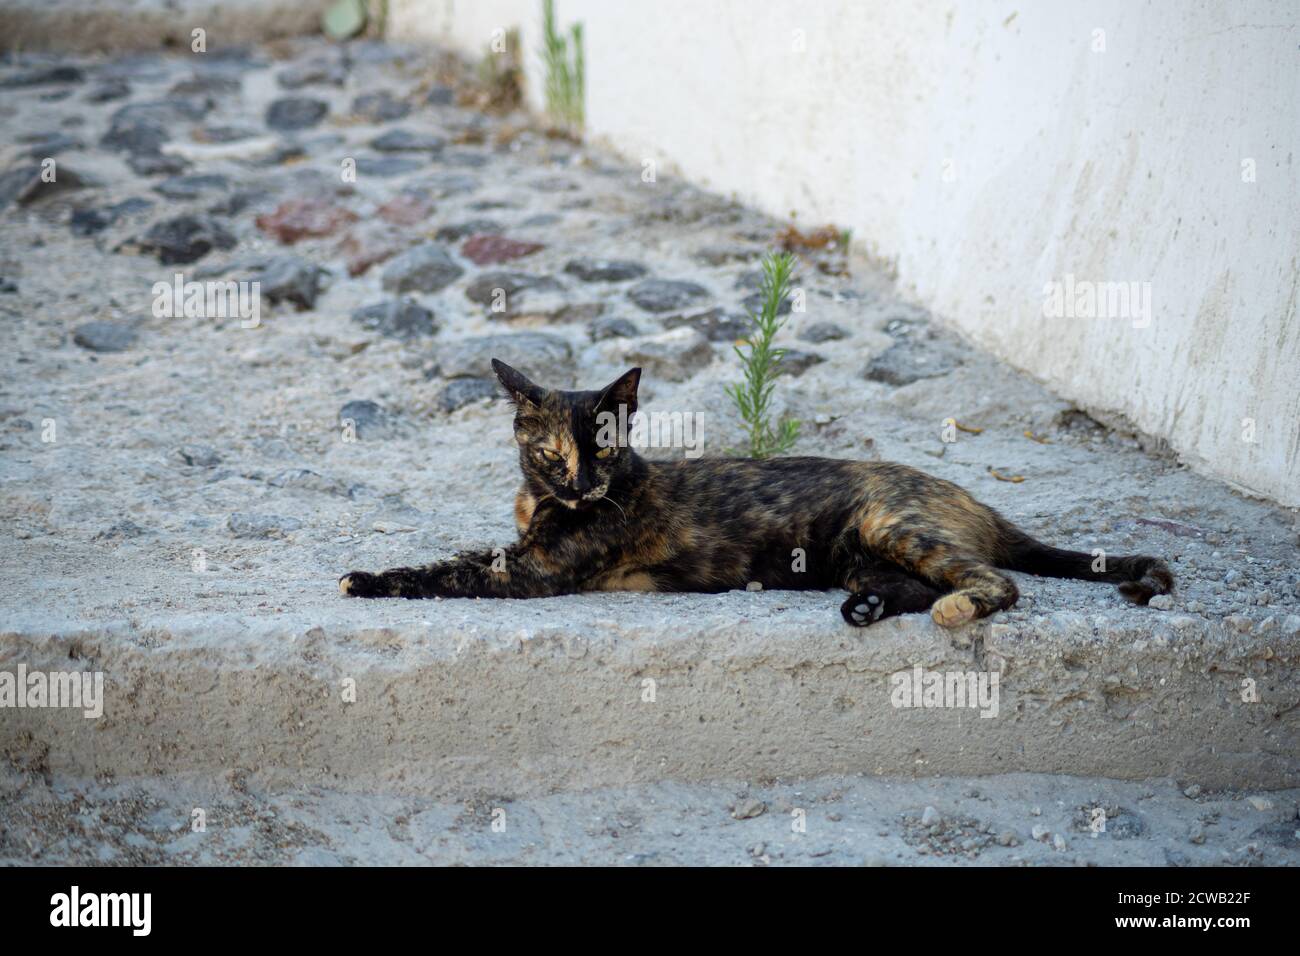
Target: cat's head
[571, 444]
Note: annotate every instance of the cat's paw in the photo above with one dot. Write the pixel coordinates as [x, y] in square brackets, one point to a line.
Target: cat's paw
[953, 610]
[359, 584]
[862, 609]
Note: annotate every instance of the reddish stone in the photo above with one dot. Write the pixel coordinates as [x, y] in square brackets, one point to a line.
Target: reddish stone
[371, 243]
[485, 250]
[406, 210]
[297, 219]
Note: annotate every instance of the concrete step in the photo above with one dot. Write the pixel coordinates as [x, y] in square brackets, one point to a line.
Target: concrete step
[620, 689]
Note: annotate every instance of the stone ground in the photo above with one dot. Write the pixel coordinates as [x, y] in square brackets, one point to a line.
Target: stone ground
[158, 469]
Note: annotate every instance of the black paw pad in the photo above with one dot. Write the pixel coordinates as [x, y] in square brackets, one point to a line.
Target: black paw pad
[861, 610]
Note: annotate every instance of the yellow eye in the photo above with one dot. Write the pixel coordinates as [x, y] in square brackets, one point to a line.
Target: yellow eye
[605, 452]
[550, 455]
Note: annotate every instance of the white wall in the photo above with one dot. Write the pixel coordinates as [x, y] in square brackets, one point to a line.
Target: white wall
[985, 149]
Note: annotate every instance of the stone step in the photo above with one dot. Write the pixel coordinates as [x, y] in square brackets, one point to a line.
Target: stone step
[451, 696]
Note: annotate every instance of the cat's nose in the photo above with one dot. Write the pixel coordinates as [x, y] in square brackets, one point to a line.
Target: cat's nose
[581, 483]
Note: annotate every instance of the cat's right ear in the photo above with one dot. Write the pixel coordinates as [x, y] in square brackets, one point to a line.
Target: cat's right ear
[521, 391]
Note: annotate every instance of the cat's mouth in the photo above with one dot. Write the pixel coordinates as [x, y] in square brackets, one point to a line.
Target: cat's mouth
[574, 501]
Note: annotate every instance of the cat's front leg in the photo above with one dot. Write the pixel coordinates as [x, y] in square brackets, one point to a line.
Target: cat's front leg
[501, 573]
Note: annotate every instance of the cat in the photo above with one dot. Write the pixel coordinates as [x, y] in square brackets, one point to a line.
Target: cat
[594, 515]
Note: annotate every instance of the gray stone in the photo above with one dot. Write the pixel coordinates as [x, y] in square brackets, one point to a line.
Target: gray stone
[370, 420]
[405, 141]
[135, 136]
[906, 362]
[319, 72]
[26, 184]
[291, 279]
[466, 391]
[295, 112]
[540, 355]
[400, 318]
[488, 288]
[612, 328]
[605, 270]
[754, 303]
[386, 167]
[261, 526]
[667, 295]
[186, 238]
[192, 187]
[43, 76]
[109, 90]
[795, 362]
[674, 356]
[207, 84]
[104, 336]
[157, 164]
[820, 332]
[458, 231]
[714, 324]
[198, 456]
[380, 107]
[425, 268]
[309, 480]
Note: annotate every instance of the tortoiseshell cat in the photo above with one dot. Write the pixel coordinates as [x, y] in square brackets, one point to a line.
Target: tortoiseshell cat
[597, 518]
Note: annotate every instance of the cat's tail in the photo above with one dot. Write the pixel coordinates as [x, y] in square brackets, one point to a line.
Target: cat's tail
[1140, 577]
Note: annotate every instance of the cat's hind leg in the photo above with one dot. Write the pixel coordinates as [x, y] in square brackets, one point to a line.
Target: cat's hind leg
[978, 589]
[881, 591]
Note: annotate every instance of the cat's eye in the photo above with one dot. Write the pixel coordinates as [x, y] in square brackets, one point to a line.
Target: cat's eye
[550, 455]
[605, 452]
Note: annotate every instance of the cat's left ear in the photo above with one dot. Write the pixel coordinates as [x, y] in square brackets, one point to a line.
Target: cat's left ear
[622, 391]
[521, 390]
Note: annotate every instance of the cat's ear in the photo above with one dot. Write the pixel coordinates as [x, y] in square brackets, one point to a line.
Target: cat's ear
[622, 391]
[521, 391]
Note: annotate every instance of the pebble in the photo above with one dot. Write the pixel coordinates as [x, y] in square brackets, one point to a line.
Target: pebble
[292, 113]
[795, 362]
[405, 141]
[667, 295]
[291, 279]
[261, 526]
[714, 324]
[460, 392]
[673, 356]
[605, 270]
[931, 817]
[370, 420]
[185, 238]
[399, 318]
[906, 362]
[488, 250]
[103, 335]
[199, 456]
[380, 107]
[1162, 602]
[304, 218]
[1007, 838]
[543, 355]
[611, 328]
[820, 332]
[748, 809]
[1040, 832]
[425, 268]
[504, 287]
